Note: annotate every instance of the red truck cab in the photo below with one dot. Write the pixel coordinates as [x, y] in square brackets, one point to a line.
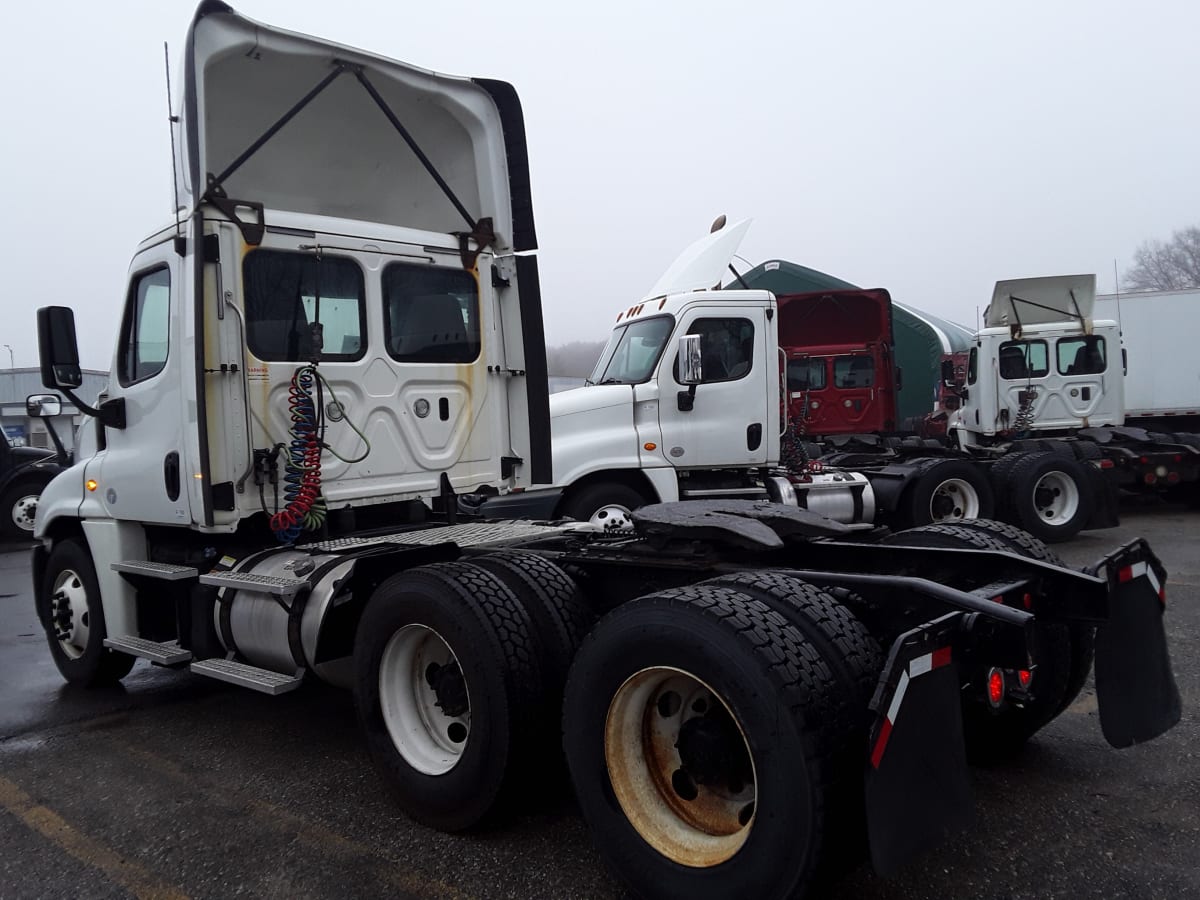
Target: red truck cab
[841, 372]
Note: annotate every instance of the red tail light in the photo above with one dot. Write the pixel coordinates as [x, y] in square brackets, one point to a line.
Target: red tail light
[1024, 677]
[995, 687]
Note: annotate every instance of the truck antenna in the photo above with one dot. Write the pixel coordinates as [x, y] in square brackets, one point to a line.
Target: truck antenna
[1117, 289]
[172, 120]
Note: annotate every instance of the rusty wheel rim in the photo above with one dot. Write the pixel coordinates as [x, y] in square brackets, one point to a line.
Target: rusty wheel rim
[680, 766]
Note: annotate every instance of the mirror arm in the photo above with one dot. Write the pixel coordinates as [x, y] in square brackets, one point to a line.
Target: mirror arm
[64, 458]
[111, 413]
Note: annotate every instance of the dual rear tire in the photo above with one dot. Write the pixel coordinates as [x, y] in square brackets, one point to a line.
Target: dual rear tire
[458, 681]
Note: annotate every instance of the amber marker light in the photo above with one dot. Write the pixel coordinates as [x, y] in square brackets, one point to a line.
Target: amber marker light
[649, 445]
[91, 484]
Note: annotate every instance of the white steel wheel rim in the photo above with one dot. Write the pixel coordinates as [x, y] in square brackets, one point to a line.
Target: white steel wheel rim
[612, 517]
[1056, 498]
[641, 732]
[24, 511]
[962, 497]
[428, 739]
[69, 613]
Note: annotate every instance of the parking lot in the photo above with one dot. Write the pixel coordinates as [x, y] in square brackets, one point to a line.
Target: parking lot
[176, 786]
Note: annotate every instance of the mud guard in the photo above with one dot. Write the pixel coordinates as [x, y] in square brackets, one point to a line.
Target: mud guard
[1106, 511]
[918, 789]
[1135, 686]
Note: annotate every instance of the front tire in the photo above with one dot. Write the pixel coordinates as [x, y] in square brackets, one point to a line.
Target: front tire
[606, 504]
[18, 506]
[698, 728]
[73, 616]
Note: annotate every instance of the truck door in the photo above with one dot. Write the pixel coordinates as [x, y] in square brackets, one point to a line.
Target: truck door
[734, 416]
[141, 474]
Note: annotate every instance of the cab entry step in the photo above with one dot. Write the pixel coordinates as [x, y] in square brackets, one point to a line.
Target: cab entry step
[263, 584]
[165, 654]
[163, 571]
[262, 680]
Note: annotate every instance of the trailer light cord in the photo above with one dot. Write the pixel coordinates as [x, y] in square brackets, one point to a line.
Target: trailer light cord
[304, 508]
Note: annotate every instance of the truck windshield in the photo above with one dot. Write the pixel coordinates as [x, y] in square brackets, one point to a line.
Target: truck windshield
[633, 351]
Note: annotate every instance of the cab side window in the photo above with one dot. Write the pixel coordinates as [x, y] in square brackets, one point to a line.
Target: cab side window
[1081, 355]
[806, 374]
[430, 314]
[726, 348]
[853, 372]
[1023, 359]
[145, 330]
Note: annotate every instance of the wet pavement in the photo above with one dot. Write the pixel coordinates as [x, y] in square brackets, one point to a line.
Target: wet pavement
[172, 785]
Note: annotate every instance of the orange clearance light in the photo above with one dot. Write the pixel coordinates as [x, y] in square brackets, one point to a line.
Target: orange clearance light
[995, 687]
[91, 484]
[1024, 676]
[649, 445]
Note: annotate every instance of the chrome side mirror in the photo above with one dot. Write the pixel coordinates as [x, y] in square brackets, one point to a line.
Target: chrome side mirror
[690, 369]
[43, 406]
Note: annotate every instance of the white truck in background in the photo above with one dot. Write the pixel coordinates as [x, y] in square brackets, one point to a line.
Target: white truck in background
[645, 431]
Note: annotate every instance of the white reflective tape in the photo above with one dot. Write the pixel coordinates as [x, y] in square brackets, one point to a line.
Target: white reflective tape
[921, 665]
[1153, 580]
[1137, 569]
[900, 689]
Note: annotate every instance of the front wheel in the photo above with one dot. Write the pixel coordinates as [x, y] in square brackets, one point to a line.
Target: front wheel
[606, 504]
[18, 506]
[73, 617]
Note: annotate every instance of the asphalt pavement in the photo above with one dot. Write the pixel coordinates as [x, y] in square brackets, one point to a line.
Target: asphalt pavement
[172, 785]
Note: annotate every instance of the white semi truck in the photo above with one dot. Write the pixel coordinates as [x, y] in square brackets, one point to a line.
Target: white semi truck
[339, 334]
[648, 430]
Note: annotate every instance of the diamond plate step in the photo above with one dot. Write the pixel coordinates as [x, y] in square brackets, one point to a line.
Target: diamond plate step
[265, 584]
[262, 680]
[166, 654]
[164, 571]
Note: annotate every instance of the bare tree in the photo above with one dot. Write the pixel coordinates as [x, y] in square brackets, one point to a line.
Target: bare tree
[1172, 265]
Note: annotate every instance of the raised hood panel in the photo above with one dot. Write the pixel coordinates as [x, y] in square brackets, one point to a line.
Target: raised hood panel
[834, 319]
[340, 155]
[703, 264]
[1030, 301]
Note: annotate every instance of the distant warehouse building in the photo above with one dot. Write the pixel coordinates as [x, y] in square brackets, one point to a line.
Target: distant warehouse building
[20, 429]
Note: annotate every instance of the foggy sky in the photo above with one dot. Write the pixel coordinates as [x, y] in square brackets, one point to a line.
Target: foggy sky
[927, 147]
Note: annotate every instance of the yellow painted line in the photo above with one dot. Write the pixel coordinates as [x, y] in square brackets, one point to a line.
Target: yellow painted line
[301, 828]
[139, 881]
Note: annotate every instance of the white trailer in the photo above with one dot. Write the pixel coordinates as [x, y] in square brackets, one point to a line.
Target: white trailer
[1162, 366]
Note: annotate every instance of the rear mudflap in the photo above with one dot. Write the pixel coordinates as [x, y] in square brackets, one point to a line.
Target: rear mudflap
[1135, 686]
[1106, 507]
[917, 785]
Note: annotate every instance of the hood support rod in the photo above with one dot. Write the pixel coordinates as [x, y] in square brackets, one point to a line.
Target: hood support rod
[215, 184]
